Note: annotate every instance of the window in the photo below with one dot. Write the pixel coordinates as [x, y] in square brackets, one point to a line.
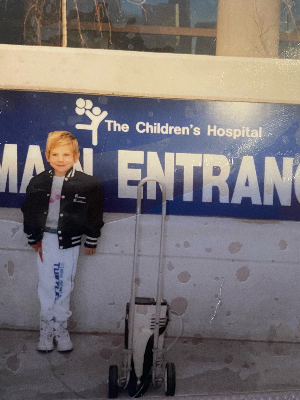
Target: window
[169, 26]
[175, 26]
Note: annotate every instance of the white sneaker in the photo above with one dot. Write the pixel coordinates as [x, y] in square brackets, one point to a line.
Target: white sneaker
[46, 336]
[62, 337]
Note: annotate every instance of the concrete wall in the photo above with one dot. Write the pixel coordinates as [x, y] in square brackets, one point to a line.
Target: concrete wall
[226, 278]
[248, 28]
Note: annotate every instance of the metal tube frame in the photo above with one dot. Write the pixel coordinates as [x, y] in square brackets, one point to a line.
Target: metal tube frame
[129, 351]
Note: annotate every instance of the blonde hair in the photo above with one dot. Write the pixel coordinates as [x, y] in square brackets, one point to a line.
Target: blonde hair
[61, 138]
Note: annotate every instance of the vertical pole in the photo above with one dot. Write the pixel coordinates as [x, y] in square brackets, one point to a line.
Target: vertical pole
[64, 23]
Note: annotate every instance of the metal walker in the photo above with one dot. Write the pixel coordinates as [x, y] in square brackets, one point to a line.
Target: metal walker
[145, 324]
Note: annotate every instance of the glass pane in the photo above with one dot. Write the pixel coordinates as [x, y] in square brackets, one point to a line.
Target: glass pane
[177, 26]
[289, 29]
[162, 15]
[11, 21]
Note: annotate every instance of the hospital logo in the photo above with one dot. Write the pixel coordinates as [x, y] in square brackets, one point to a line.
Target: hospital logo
[96, 116]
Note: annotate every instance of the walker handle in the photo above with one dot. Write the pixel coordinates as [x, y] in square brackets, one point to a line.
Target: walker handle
[139, 193]
[159, 280]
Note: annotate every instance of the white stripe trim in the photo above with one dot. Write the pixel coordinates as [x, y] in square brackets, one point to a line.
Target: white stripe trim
[75, 237]
[71, 173]
[91, 238]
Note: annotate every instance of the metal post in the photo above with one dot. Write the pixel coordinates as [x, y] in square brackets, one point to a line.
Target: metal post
[64, 23]
[159, 282]
[133, 286]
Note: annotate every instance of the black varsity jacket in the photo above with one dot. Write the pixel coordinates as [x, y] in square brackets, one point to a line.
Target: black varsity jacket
[81, 208]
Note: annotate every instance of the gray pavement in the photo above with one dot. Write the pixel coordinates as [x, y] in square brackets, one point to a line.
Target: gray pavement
[206, 369]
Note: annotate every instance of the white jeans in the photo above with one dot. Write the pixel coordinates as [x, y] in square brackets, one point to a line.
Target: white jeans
[56, 278]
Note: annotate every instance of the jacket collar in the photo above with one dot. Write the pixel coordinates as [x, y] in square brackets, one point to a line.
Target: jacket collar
[69, 174]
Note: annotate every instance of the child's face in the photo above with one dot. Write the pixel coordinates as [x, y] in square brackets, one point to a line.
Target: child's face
[62, 158]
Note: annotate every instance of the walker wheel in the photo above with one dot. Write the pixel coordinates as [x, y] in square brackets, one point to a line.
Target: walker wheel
[170, 379]
[113, 387]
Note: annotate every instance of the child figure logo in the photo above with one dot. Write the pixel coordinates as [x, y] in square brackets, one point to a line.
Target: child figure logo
[94, 114]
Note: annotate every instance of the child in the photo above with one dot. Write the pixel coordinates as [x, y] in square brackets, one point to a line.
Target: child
[61, 204]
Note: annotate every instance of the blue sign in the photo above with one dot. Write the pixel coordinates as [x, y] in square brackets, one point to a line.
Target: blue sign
[232, 159]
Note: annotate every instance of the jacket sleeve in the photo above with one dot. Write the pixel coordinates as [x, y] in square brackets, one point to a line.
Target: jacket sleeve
[94, 215]
[33, 233]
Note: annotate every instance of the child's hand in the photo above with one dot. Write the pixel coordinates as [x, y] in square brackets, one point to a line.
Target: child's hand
[89, 251]
[35, 246]
[38, 247]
